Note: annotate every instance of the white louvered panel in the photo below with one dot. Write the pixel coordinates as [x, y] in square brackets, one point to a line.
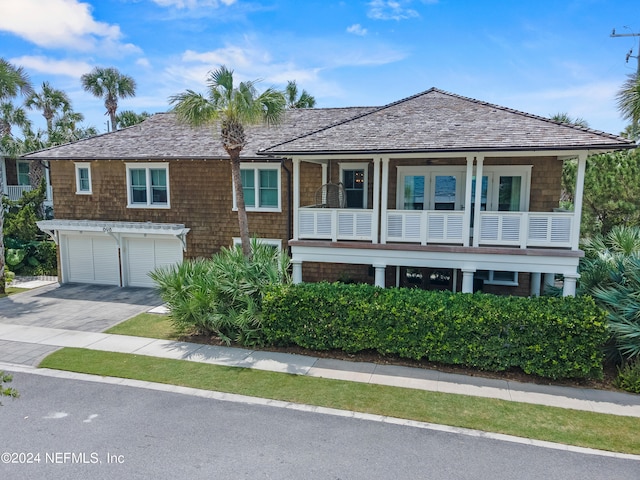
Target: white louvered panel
[489, 227]
[106, 264]
[435, 228]
[454, 227]
[363, 225]
[80, 257]
[510, 231]
[323, 225]
[346, 225]
[92, 260]
[394, 225]
[538, 228]
[168, 252]
[412, 223]
[561, 230]
[141, 260]
[306, 226]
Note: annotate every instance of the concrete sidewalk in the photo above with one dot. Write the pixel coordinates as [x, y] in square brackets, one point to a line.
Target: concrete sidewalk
[599, 401]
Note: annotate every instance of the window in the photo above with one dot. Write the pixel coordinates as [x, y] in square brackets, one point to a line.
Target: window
[23, 173]
[272, 242]
[83, 178]
[148, 185]
[354, 179]
[261, 187]
[496, 277]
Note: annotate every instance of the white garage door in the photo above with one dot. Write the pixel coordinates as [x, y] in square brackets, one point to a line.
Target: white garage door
[146, 254]
[92, 259]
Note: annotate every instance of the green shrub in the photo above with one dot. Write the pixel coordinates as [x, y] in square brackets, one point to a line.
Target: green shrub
[31, 257]
[546, 336]
[629, 377]
[222, 296]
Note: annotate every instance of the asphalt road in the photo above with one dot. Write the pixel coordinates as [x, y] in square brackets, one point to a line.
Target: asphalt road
[71, 429]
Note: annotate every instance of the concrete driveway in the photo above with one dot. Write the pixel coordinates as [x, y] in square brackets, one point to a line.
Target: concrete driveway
[90, 308]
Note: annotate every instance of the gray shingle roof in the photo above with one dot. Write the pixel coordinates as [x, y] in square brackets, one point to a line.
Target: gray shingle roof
[438, 121]
[162, 137]
[432, 121]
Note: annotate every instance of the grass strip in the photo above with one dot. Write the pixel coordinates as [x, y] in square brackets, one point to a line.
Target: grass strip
[150, 325]
[571, 427]
[12, 290]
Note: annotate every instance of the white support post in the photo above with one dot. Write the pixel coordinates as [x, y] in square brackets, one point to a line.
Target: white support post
[325, 173]
[379, 275]
[577, 201]
[296, 198]
[466, 232]
[296, 271]
[549, 280]
[375, 222]
[384, 200]
[478, 205]
[467, 279]
[570, 281]
[535, 280]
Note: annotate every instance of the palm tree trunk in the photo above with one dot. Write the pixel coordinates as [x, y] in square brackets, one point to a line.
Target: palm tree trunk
[243, 223]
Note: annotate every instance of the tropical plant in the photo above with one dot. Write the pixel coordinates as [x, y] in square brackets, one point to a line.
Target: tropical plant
[7, 391]
[128, 118]
[304, 100]
[629, 102]
[564, 117]
[222, 296]
[110, 84]
[13, 81]
[629, 377]
[233, 107]
[66, 128]
[49, 101]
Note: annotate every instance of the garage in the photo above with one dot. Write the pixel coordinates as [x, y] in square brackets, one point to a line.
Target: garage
[143, 255]
[91, 259]
[115, 253]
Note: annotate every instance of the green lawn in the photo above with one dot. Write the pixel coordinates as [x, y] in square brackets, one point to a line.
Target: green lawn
[586, 429]
[12, 290]
[605, 432]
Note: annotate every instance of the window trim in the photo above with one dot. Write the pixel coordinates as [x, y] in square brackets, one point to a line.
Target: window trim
[257, 167]
[490, 280]
[78, 167]
[18, 163]
[147, 167]
[275, 242]
[357, 166]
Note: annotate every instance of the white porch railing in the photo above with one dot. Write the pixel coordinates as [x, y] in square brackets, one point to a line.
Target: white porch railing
[526, 229]
[427, 226]
[335, 224]
[14, 192]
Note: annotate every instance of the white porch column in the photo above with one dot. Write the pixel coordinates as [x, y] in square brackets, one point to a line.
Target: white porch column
[467, 280]
[577, 200]
[569, 288]
[325, 173]
[296, 271]
[549, 280]
[478, 206]
[379, 275]
[384, 200]
[466, 232]
[296, 199]
[375, 227]
[534, 281]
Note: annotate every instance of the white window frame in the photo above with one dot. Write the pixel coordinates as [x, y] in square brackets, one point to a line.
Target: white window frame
[458, 171]
[80, 166]
[490, 279]
[357, 166]
[18, 163]
[494, 172]
[257, 167]
[147, 167]
[275, 242]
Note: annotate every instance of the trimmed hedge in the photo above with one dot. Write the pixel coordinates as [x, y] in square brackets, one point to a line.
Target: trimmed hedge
[550, 337]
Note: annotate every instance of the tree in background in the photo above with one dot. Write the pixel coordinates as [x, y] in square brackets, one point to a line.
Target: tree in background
[564, 117]
[110, 84]
[304, 100]
[233, 107]
[49, 101]
[128, 118]
[629, 103]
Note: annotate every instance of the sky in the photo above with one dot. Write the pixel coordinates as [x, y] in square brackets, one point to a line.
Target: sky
[539, 56]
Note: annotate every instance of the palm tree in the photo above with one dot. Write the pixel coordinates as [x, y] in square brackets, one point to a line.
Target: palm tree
[110, 84]
[564, 117]
[629, 102]
[128, 118]
[294, 101]
[233, 107]
[13, 81]
[49, 100]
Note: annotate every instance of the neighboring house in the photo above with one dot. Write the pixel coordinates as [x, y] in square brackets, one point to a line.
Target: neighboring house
[434, 191]
[14, 175]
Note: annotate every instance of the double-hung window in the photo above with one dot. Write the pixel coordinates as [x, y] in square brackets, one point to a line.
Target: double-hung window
[354, 179]
[23, 172]
[261, 186]
[83, 179]
[148, 185]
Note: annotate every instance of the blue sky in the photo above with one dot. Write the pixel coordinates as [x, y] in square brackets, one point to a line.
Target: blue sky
[541, 57]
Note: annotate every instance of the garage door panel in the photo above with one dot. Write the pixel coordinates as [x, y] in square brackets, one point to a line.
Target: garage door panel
[145, 255]
[92, 260]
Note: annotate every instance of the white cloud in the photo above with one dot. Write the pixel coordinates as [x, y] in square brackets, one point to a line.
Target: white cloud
[391, 10]
[67, 68]
[61, 23]
[143, 62]
[357, 29]
[193, 4]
